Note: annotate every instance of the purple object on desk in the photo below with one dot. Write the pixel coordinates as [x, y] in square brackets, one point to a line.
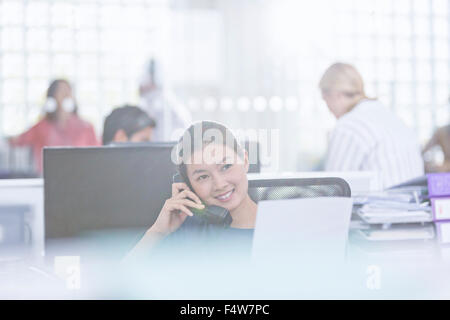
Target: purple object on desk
[440, 208]
[438, 184]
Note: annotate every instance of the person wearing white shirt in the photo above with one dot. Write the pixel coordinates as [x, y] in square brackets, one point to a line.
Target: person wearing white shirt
[162, 105]
[367, 135]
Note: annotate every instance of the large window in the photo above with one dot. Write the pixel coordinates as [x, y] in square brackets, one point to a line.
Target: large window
[276, 51]
[100, 46]
[248, 63]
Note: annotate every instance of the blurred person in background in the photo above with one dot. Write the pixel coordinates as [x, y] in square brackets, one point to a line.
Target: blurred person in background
[439, 144]
[367, 135]
[3, 155]
[162, 104]
[128, 124]
[60, 126]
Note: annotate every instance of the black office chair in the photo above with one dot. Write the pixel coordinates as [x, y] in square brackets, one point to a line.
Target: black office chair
[293, 188]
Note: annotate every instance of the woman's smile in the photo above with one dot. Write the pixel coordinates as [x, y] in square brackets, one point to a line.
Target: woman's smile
[224, 197]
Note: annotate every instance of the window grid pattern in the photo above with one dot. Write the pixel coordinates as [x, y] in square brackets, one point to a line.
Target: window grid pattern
[268, 68]
[401, 48]
[89, 42]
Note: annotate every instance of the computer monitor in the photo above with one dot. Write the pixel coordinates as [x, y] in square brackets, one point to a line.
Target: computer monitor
[98, 190]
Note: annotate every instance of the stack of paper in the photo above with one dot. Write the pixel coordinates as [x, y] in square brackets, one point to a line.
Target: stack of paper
[400, 232]
[408, 205]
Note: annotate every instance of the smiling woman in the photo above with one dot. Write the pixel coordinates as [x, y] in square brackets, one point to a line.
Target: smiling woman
[213, 167]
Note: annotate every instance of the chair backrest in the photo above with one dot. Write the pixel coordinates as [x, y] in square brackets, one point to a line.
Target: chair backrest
[292, 188]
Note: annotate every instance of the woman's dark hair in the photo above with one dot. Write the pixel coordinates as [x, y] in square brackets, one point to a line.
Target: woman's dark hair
[130, 119]
[199, 135]
[51, 92]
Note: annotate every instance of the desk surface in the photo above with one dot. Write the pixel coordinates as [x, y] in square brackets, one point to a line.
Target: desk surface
[20, 183]
[411, 269]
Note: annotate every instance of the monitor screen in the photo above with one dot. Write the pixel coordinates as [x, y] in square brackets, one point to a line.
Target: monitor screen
[102, 189]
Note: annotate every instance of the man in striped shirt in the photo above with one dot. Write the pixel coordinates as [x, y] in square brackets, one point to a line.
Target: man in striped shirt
[367, 136]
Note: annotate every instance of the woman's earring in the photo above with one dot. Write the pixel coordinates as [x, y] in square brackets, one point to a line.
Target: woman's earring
[50, 105]
[68, 105]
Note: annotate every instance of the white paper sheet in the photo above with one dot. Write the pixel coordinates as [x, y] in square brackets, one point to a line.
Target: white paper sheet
[302, 228]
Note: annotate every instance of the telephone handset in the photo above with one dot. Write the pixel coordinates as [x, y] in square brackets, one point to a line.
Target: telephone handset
[211, 214]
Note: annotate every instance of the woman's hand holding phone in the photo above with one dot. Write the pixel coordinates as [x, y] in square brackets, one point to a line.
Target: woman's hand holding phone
[171, 217]
[176, 209]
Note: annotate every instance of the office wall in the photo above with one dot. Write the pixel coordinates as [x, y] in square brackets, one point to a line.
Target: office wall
[100, 46]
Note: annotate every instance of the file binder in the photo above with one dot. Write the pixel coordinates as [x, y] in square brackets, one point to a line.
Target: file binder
[440, 208]
[438, 184]
[443, 232]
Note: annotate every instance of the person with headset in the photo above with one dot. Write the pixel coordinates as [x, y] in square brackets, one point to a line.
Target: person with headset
[212, 200]
[128, 124]
[61, 125]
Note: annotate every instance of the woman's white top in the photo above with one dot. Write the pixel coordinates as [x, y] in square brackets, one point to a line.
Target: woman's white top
[372, 138]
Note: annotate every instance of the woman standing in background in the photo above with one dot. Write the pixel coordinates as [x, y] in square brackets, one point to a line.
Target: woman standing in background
[367, 136]
[61, 125]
